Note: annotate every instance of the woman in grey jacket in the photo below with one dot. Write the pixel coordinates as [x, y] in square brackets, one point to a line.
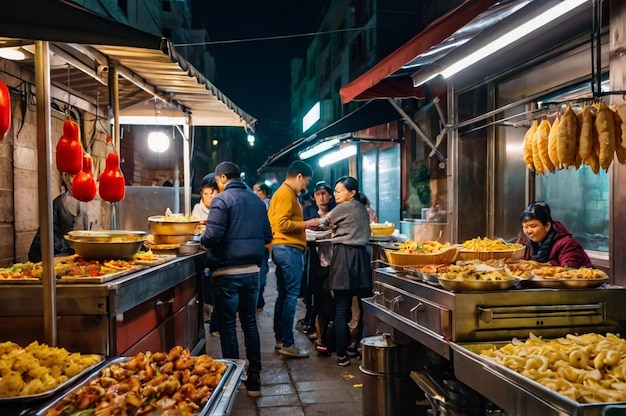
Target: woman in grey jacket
[350, 267]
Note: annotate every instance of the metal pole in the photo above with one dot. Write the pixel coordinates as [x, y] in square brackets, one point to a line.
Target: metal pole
[186, 166]
[44, 156]
[114, 104]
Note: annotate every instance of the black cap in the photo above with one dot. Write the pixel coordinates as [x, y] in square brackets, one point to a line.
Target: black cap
[323, 185]
[227, 168]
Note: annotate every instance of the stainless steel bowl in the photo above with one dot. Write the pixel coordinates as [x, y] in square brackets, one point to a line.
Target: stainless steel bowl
[564, 283]
[107, 250]
[477, 285]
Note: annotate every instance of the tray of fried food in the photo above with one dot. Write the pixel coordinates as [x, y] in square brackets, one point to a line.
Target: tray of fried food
[517, 267]
[161, 383]
[475, 275]
[557, 277]
[38, 371]
[587, 369]
[427, 272]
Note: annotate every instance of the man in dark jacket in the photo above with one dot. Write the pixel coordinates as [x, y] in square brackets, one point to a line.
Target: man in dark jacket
[236, 233]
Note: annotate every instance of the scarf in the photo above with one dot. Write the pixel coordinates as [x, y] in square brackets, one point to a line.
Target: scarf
[541, 251]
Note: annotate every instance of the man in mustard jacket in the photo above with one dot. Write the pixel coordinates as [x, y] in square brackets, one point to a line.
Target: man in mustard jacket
[288, 245]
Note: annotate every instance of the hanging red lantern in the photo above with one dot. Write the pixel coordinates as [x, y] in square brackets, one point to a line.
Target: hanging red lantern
[111, 181]
[5, 110]
[83, 184]
[69, 155]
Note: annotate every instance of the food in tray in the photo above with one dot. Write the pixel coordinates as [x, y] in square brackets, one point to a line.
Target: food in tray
[520, 268]
[557, 272]
[38, 368]
[421, 247]
[588, 368]
[432, 268]
[475, 271]
[487, 244]
[22, 271]
[73, 266]
[148, 383]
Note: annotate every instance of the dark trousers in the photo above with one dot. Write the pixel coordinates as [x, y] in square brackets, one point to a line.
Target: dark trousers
[343, 303]
[238, 293]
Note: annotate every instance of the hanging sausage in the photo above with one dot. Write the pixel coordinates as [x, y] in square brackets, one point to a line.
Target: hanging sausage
[83, 185]
[69, 151]
[5, 110]
[111, 181]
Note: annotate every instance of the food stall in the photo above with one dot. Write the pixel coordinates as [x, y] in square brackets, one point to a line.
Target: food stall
[491, 105]
[88, 72]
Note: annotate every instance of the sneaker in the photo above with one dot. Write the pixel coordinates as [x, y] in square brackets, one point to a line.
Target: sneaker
[343, 361]
[293, 351]
[215, 334]
[353, 351]
[279, 345]
[253, 385]
[301, 325]
[322, 350]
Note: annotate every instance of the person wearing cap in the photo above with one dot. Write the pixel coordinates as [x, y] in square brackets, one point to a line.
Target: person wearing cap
[316, 264]
[236, 233]
[547, 240]
[288, 245]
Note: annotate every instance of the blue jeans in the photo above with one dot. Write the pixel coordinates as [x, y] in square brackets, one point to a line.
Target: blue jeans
[238, 293]
[289, 264]
[265, 268]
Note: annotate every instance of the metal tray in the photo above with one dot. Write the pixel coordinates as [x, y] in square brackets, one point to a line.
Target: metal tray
[477, 285]
[536, 281]
[514, 392]
[61, 387]
[213, 399]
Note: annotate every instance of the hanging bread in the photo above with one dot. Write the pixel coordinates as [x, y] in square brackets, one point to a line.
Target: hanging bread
[584, 119]
[552, 141]
[527, 147]
[621, 111]
[620, 151]
[539, 168]
[566, 139]
[593, 160]
[605, 125]
[542, 137]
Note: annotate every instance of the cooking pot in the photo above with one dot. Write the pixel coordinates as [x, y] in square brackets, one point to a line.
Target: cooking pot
[424, 230]
[172, 225]
[171, 239]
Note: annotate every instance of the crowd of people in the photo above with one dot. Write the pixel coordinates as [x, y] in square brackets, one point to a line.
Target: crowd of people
[243, 231]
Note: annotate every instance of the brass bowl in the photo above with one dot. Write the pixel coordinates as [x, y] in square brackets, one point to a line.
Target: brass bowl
[107, 250]
[172, 225]
[382, 229]
[171, 239]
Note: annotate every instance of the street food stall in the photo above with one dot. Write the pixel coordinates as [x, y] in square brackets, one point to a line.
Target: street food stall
[491, 104]
[82, 73]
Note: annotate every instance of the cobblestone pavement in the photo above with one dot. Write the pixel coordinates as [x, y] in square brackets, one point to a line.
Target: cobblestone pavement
[295, 386]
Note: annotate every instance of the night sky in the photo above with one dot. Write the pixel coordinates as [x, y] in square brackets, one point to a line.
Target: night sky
[255, 75]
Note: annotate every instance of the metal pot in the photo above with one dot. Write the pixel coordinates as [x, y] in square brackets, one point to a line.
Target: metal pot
[424, 230]
[96, 250]
[380, 355]
[175, 225]
[171, 239]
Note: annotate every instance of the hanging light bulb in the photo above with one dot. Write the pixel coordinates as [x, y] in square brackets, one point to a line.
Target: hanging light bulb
[158, 141]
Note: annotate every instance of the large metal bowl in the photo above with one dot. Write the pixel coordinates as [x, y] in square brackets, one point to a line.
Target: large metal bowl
[172, 225]
[106, 250]
[477, 285]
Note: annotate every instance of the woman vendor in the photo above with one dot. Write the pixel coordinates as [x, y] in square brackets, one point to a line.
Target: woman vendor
[549, 241]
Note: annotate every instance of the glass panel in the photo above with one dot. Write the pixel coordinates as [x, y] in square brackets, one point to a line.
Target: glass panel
[369, 176]
[389, 186]
[580, 200]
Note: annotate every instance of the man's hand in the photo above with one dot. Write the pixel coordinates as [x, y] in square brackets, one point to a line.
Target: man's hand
[312, 224]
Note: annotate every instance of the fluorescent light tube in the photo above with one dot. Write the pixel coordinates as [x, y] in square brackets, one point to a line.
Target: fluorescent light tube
[341, 154]
[514, 35]
[318, 148]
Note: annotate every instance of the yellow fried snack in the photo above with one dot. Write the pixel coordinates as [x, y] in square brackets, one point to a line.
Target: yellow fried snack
[566, 139]
[605, 125]
[542, 137]
[487, 244]
[552, 141]
[584, 120]
[589, 368]
[421, 247]
[527, 148]
[539, 168]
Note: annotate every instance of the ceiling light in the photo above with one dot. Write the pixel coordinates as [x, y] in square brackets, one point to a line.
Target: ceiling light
[318, 148]
[12, 53]
[341, 154]
[251, 140]
[158, 141]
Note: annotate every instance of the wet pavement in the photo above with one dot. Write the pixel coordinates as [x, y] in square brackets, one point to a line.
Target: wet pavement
[295, 386]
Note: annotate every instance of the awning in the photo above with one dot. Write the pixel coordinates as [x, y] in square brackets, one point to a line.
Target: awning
[466, 29]
[372, 113]
[149, 66]
[363, 87]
